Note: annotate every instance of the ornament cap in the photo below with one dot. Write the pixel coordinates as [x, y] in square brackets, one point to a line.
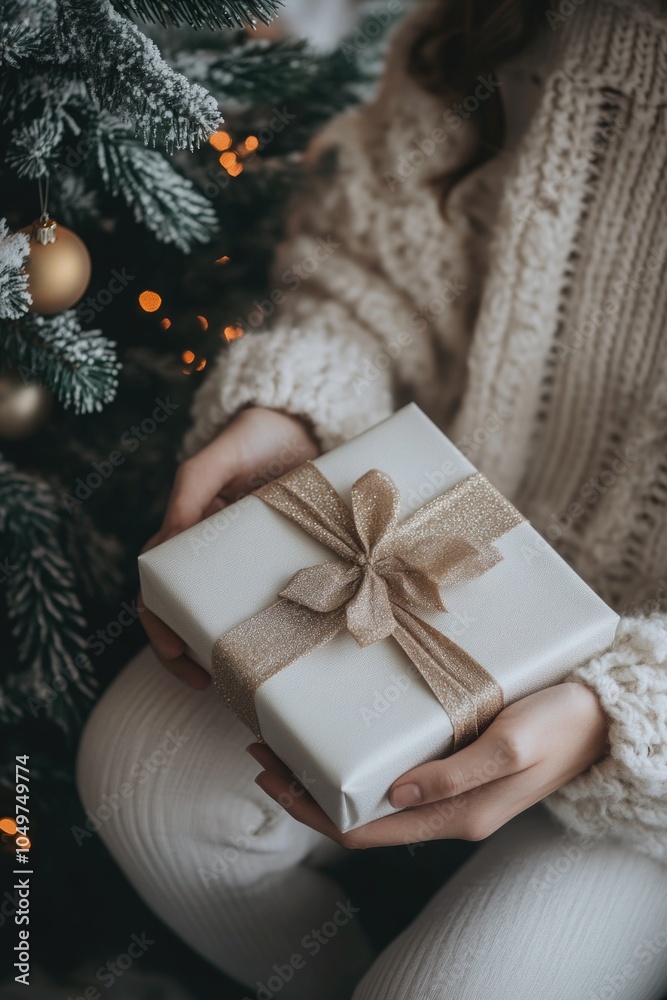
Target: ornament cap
[44, 230]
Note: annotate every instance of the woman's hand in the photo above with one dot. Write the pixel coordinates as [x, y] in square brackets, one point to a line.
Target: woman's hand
[532, 748]
[257, 446]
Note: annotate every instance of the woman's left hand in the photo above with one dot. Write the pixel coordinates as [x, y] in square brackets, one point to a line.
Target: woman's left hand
[532, 748]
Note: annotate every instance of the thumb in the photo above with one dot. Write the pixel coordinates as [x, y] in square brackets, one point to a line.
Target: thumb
[198, 482]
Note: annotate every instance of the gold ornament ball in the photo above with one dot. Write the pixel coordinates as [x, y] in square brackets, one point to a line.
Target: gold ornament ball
[24, 406]
[58, 267]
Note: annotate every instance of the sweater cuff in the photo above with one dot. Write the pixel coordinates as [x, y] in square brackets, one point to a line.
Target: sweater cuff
[317, 375]
[625, 795]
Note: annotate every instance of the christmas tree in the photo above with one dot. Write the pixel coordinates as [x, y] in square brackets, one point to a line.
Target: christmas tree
[148, 149]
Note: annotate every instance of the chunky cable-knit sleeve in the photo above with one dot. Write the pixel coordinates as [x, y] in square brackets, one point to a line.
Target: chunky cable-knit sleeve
[625, 795]
[343, 335]
[352, 325]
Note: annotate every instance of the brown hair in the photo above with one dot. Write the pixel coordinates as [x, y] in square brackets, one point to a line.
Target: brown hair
[471, 38]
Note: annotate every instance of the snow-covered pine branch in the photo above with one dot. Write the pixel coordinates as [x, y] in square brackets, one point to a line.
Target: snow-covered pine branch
[14, 295]
[127, 75]
[200, 13]
[79, 366]
[160, 197]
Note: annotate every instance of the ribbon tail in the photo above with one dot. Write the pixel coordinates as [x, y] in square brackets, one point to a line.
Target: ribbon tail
[248, 655]
[470, 696]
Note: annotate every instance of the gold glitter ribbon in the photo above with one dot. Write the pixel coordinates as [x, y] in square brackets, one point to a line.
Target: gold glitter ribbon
[387, 575]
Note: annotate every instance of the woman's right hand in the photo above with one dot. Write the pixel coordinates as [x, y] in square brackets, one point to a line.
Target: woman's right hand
[257, 446]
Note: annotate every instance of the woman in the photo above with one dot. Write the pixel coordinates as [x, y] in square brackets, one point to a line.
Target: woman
[492, 246]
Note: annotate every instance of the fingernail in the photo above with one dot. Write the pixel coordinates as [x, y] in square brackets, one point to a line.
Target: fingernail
[405, 795]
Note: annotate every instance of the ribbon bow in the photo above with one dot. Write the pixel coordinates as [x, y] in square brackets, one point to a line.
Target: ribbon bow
[389, 574]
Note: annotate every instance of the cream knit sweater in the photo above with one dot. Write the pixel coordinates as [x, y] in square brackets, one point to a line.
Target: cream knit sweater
[530, 324]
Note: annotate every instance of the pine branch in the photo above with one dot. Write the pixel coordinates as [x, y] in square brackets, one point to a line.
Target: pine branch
[42, 606]
[14, 295]
[18, 41]
[96, 557]
[80, 367]
[161, 198]
[126, 74]
[200, 13]
[256, 71]
[33, 148]
[253, 76]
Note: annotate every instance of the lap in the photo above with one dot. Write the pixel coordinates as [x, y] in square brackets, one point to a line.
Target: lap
[163, 766]
[535, 913]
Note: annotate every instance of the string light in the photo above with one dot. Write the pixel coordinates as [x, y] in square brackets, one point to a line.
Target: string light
[230, 162]
[223, 260]
[188, 357]
[165, 323]
[150, 302]
[203, 322]
[8, 826]
[220, 140]
[201, 365]
[233, 332]
[251, 143]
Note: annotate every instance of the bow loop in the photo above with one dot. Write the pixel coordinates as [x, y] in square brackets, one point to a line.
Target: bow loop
[376, 504]
[324, 587]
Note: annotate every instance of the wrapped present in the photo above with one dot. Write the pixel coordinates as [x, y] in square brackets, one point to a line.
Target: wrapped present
[373, 610]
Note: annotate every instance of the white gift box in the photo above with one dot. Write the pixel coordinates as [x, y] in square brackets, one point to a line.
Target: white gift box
[350, 720]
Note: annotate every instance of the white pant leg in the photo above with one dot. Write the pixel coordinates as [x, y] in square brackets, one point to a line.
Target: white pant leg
[162, 770]
[535, 914]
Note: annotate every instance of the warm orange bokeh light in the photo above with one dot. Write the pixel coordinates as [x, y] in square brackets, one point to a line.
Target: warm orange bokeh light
[188, 357]
[235, 171]
[201, 365]
[165, 323]
[221, 140]
[203, 322]
[223, 260]
[251, 143]
[229, 159]
[8, 825]
[150, 302]
[233, 332]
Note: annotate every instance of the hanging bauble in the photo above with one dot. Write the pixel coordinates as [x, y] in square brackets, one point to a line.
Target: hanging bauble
[58, 266]
[24, 406]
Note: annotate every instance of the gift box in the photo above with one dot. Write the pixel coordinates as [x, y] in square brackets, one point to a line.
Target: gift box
[373, 610]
